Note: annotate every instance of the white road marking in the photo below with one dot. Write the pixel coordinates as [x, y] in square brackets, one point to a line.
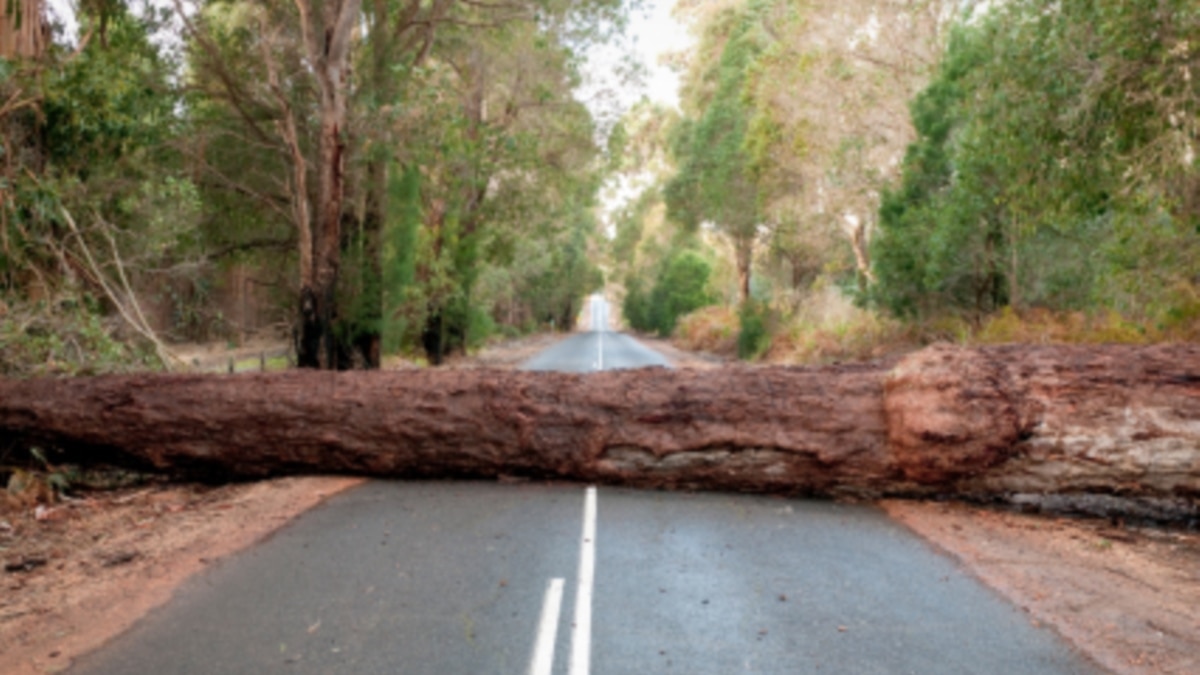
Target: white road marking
[543, 648]
[581, 630]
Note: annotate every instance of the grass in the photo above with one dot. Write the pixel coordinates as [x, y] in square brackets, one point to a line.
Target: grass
[253, 363]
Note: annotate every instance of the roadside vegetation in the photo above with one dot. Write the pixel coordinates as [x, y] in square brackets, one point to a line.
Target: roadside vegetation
[841, 180]
[417, 181]
[864, 179]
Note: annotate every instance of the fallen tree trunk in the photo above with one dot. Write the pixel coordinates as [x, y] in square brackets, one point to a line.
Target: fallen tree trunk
[945, 420]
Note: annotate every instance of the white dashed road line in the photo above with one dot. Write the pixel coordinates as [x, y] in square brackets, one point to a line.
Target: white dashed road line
[543, 648]
[581, 633]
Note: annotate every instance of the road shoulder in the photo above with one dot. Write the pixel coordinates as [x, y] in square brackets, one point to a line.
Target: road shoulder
[1127, 597]
[77, 574]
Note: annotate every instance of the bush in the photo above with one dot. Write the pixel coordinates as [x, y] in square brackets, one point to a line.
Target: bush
[682, 288]
[636, 306]
[1040, 326]
[66, 336]
[480, 327]
[753, 337]
[710, 329]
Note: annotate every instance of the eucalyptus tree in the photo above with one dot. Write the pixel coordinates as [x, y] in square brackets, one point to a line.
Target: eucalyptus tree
[22, 29]
[341, 114]
[94, 201]
[507, 155]
[715, 182]
[284, 71]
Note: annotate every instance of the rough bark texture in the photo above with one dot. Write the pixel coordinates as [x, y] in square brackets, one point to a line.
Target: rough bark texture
[329, 32]
[1110, 420]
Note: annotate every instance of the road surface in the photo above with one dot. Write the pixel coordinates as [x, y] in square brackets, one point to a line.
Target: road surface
[597, 349]
[554, 579]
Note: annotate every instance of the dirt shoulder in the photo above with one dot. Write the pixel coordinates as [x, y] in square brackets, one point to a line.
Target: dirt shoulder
[77, 574]
[1128, 597]
[508, 354]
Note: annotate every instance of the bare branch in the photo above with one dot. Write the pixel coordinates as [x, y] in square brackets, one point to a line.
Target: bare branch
[130, 311]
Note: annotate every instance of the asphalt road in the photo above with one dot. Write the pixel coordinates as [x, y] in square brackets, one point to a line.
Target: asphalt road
[481, 578]
[596, 349]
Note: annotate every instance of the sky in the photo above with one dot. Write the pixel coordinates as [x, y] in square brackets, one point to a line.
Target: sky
[655, 33]
[652, 31]
[608, 90]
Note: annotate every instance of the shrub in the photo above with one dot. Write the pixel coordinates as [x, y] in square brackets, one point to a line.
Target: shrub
[636, 306]
[681, 287]
[1041, 326]
[753, 337]
[712, 329]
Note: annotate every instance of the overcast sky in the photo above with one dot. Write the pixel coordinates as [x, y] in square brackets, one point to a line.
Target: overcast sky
[656, 33]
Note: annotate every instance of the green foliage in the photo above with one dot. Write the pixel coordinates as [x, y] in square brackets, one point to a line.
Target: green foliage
[754, 336]
[399, 251]
[1055, 166]
[108, 102]
[508, 198]
[680, 288]
[636, 306]
[715, 181]
[95, 209]
[65, 337]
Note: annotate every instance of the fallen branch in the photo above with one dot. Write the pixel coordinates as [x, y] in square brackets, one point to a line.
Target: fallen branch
[128, 308]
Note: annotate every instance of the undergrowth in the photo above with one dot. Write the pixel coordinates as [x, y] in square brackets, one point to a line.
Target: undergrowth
[823, 331]
[709, 329]
[64, 336]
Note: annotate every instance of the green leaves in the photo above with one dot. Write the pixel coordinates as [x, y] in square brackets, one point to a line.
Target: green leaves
[1045, 135]
[680, 288]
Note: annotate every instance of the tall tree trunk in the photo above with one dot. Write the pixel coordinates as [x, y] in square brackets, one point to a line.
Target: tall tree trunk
[329, 44]
[367, 331]
[744, 252]
[22, 29]
[368, 334]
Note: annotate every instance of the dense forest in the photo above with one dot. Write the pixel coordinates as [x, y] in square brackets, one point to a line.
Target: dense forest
[370, 177]
[845, 178]
[360, 176]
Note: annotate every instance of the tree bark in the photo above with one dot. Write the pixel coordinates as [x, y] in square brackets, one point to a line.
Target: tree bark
[944, 421]
[329, 43]
[23, 29]
[743, 246]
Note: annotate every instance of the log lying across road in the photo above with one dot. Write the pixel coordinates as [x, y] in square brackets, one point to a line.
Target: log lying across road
[945, 420]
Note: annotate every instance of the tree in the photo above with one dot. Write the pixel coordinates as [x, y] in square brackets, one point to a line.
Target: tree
[715, 182]
[474, 97]
[22, 29]
[1052, 145]
[95, 207]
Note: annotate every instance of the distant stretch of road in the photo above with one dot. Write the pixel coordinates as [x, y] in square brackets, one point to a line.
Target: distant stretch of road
[597, 349]
[553, 579]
